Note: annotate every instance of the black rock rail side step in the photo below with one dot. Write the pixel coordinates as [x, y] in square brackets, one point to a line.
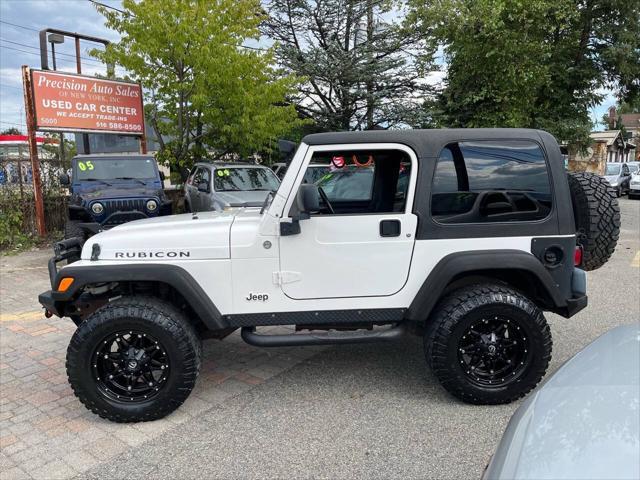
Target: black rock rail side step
[250, 336]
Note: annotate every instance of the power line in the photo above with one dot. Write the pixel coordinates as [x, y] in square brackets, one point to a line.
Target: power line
[36, 30]
[64, 60]
[13, 123]
[119, 70]
[108, 6]
[19, 26]
[88, 59]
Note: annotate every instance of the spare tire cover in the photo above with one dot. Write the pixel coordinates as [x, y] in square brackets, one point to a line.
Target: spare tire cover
[597, 217]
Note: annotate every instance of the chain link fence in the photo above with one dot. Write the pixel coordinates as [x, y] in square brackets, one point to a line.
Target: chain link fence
[17, 204]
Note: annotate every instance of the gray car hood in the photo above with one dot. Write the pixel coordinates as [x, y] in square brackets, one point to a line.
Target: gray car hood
[584, 422]
[612, 178]
[241, 196]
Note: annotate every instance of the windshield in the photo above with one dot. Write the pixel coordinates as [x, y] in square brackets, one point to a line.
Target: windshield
[110, 168]
[236, 179]
[315, 173]
[351, 184]
[633, 168]
[613, 169]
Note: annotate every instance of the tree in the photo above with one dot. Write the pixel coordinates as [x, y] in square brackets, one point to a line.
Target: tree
[360, 68]
[11, 131]
[533, 63]
[204, 90]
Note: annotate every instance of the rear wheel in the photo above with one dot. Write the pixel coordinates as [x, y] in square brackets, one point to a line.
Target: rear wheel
[488, 344]
[597, 217]
[136, 359]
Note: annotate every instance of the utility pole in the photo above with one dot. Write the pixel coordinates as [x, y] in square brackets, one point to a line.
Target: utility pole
[54, 38]
[369, 83]
[33, 151]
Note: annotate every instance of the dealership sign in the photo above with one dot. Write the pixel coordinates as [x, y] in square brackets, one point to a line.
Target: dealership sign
[67, 102]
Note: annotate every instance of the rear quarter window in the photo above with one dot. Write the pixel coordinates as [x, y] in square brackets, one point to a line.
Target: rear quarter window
[491, 181]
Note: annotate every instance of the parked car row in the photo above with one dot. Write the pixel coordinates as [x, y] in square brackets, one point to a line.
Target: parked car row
[107, 190]
[621, 175]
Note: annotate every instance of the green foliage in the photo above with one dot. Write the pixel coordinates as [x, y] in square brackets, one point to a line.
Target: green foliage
[12, 232]
[205, 92]
[531, 63]
[359, 65]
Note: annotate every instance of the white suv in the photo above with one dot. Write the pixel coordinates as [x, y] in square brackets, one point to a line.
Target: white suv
[462, 236]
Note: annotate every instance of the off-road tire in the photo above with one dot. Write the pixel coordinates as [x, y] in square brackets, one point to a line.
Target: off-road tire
[597, 217]
[457, 312]
[143, 314]
[72, 229]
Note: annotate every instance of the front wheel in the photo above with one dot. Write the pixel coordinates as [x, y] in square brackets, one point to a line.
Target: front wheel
[136, 359]
[488, 344]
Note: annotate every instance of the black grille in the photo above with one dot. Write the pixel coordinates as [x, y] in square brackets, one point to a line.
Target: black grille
[113, 206]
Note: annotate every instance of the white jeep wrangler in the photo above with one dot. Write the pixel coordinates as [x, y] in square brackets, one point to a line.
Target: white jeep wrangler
[462, 236]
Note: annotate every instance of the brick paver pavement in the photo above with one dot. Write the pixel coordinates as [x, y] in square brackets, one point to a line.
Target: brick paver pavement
[45, 433]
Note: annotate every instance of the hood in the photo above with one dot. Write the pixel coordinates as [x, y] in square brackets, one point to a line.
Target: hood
[188, 237]
[227, 198]
[584, 422]
[101, 191]
[612, 178]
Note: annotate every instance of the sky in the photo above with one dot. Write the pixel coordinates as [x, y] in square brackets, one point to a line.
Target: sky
[20, 22]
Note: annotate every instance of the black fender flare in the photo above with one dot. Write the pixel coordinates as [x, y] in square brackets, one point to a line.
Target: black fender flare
[78, 212]
[172, 275]
[459, 263]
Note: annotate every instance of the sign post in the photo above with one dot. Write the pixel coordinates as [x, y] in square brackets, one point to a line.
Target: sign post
[33, 151]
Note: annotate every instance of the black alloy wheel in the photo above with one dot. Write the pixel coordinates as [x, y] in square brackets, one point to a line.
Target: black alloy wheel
[494, 351]
[130, 366]
[135, 359]
[487, 344]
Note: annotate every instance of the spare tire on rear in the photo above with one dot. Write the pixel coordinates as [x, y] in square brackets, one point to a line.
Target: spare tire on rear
[597, 217]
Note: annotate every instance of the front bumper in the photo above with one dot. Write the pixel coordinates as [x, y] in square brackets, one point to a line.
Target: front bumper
[69, 249]
[49, 304]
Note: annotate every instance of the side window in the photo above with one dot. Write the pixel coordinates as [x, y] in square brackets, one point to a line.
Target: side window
[197, 177]
[206, 176]
[191, 176]
[491, 181]
[363, 182]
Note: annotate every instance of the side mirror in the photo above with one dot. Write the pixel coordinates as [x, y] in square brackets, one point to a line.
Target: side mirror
[203, 187]
[307, 201]
[64, 179]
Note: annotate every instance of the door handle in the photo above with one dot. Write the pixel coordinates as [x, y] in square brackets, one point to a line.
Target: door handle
[390, 228]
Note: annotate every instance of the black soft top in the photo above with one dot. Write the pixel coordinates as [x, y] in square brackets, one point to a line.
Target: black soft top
[428, 143]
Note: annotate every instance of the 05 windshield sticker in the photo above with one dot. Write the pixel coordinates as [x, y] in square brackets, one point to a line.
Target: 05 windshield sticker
[84, 166]
[223, 173]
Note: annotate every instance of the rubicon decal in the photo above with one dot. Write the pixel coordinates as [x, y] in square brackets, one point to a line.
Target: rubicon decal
[169, 254]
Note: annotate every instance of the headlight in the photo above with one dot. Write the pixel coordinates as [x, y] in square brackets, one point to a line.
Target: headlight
[97, 208]
[152, 205]
[614, 184]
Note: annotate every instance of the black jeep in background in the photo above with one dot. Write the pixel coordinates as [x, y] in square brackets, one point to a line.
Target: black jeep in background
[108, 190]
